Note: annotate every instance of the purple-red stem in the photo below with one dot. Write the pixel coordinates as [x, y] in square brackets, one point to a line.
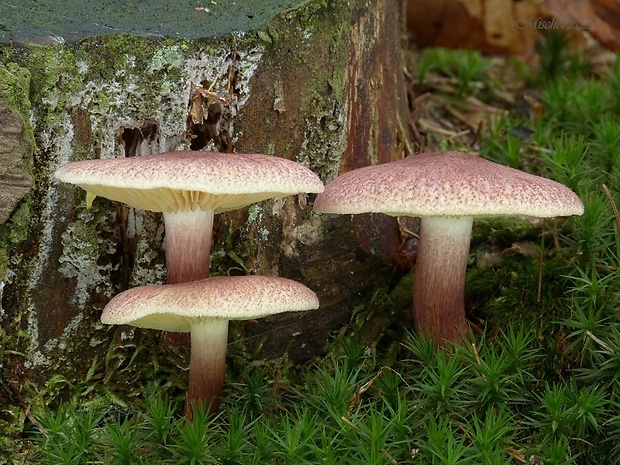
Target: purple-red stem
[207, 366]
[188, 251]
[439, 279]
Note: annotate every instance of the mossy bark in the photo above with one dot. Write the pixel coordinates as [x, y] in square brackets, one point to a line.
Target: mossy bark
[323, 84]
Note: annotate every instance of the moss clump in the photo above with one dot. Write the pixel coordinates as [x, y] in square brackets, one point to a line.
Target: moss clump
[14, 89]
[503, 230]
[12, 233]
[54, 71]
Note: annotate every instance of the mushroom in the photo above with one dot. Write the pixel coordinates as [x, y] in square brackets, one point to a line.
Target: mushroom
[204, 308]
[447, 190]
[189, 187]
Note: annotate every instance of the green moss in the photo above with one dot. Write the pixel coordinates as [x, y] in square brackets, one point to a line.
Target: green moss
[4, 259]
[14, 88]
[54, 71]
[62, 73]
[19, 223]
[499, 228]
[12, 233]
[118, 56]
[227, 258]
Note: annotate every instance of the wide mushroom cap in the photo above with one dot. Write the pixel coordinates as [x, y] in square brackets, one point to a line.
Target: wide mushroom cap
[446, 184]
[180, 181]
[175, 307]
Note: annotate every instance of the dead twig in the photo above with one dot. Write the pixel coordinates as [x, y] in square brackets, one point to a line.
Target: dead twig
[540, 265]
[478, 359]
[208, 93]
[355, 398]
[516, 455]
[614, 208]
[600, 342]
[426, 124]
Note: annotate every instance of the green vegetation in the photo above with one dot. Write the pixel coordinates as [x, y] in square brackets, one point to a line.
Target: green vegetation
[538, 381]
[465, 67]
[482, 403]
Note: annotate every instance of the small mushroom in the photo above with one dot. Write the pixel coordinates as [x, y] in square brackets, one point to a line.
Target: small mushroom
[204, 308]
[189, 187]
[447, 190]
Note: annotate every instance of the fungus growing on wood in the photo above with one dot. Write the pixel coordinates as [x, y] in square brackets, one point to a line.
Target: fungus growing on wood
[446, 190]
[203, 308]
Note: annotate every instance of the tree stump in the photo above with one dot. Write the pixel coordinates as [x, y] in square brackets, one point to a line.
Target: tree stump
[321, 83]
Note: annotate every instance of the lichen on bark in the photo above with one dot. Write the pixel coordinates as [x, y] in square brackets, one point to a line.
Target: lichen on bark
[103, 97]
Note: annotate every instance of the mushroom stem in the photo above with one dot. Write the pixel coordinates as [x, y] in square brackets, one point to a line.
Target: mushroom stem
[439, 280]
[207, 365]
[188, 245]
[188, 252]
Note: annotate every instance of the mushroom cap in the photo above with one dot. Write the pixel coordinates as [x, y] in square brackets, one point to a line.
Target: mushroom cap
[175, 307]
[446, 184]
[178, 181]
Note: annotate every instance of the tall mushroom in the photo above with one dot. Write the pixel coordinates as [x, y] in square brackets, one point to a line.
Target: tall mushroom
[204, 308]
[447, 190]
[189, 187]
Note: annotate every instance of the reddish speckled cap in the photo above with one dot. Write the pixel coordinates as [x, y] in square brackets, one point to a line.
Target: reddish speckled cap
[446, 184]
[177, 181]
[174, 307]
